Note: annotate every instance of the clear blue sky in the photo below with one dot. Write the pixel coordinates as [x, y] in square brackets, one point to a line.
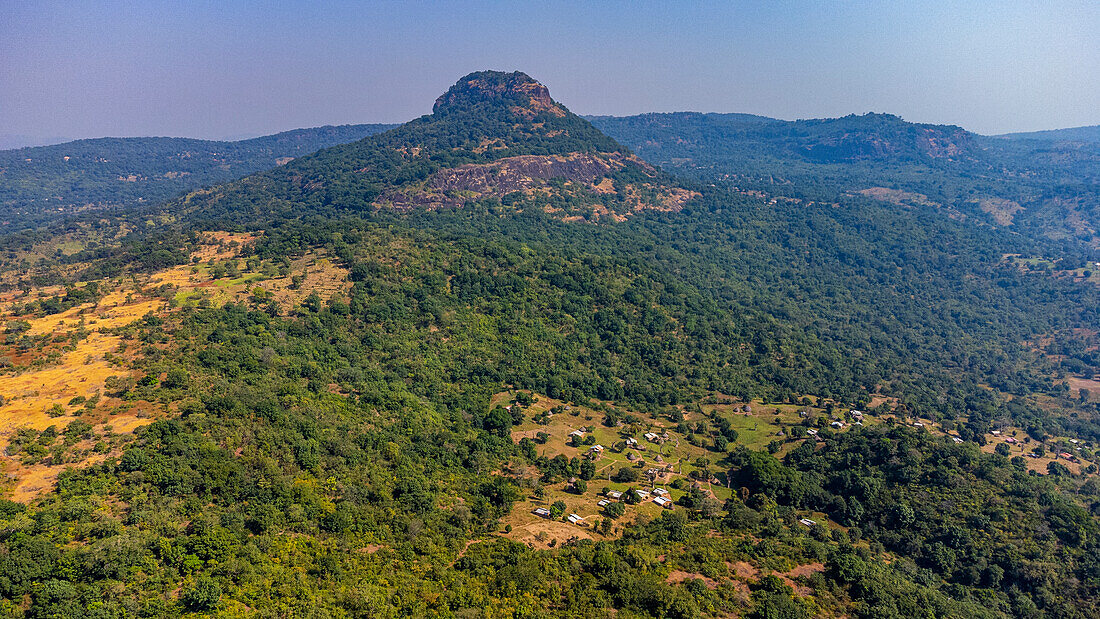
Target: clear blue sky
[230, 68]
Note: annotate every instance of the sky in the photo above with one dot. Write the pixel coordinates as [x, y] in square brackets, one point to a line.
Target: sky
[238, 68]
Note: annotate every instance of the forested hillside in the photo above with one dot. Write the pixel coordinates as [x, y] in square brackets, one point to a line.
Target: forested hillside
[492, 363]
[1074, 134]
[37, 184]
[1044, 189]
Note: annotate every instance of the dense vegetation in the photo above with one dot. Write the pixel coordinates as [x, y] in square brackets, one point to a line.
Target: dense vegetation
[335, 457]
[37, 183]
[1052, 183]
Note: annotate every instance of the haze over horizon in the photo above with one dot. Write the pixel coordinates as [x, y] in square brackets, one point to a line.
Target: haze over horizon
[232, 69]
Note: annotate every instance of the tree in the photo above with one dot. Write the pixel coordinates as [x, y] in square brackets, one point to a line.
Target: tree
[204, 595]
[588, 469]
[626, 475]
[557, 509]
[177, 378]
[615, 509]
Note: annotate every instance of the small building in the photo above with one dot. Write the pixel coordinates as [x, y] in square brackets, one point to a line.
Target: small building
[807, 522]
[614, 494]
[956, 439]
[603, 502]
[577, 433]
[542, 512]
[803, 414]
[837, 424]
[642, 494]
[857, 414]
[597, 448]
[632, 442]
[660, 492]
[630, 456]
[1010, 440]
[575, 519]
[811, 432]
[917, 424]
[996, 433]
[663, 502]
[652, 437]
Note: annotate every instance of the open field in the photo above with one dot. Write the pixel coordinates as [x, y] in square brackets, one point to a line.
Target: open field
[56, 362]
[675, 461]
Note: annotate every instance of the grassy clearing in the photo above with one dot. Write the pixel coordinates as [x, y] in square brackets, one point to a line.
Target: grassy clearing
[676, 458]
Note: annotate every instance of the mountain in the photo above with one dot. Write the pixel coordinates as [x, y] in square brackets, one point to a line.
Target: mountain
[491, 138]
[1074, 134]
[492, 363]
[870, 137]
[40, 183]
[1044, 189]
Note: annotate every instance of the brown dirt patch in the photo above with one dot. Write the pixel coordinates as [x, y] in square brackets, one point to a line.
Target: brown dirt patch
[555, 530]
[220, 245]
[806, 570]
[1076, 383]
[744, 570]
[897, 196]
[679, 576]
[1002, 211]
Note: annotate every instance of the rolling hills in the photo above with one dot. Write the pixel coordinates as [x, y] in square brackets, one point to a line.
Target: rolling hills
[41, 184]
[1046, 190]
[347, 385]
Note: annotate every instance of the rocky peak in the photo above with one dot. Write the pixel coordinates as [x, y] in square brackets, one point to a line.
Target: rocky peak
[521, 93]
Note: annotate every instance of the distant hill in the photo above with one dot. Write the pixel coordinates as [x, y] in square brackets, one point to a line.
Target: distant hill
[870, 137]
[38, 183]
[1045, 188]
[1075, 134]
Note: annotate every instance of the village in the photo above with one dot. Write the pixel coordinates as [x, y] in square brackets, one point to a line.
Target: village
[634, 465]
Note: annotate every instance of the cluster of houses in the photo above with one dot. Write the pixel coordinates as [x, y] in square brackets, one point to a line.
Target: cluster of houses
[659, 496]
[1057, 454]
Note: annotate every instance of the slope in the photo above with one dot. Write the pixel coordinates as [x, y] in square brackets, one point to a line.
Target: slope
[346, 450]
[42, 183]
[1044, 189]
[1090, 133]
[493, 137]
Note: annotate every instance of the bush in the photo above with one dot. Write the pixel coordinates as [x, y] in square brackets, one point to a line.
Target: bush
[626, 475]
[614, 510]
[204, 595]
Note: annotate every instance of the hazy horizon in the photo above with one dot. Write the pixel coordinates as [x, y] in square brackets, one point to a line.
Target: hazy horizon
[233, 69]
